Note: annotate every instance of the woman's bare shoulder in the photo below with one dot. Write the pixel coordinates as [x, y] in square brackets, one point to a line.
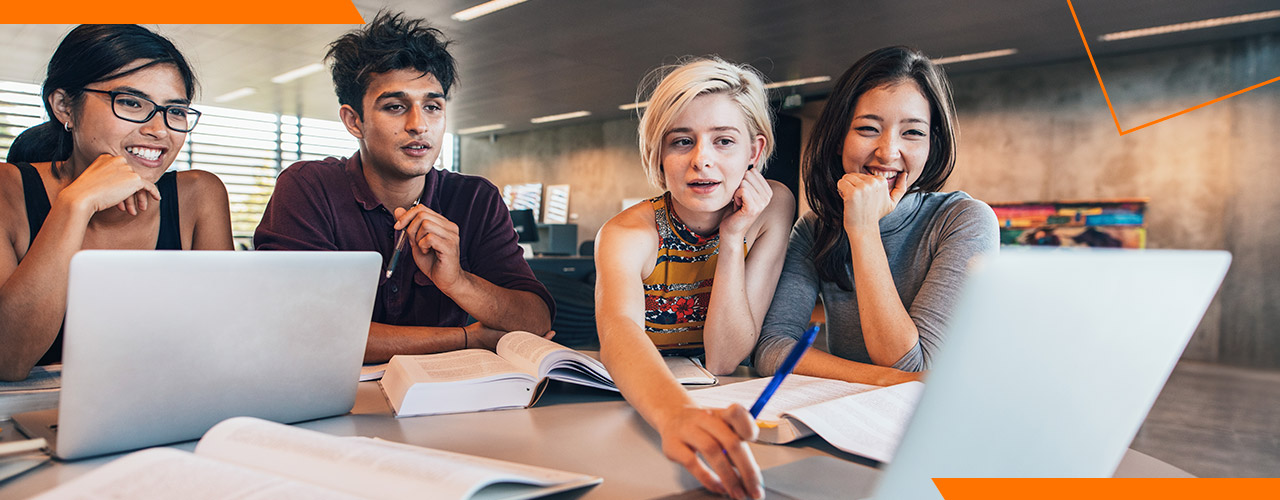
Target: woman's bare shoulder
[12, 202]
[630, 232]
[197, 184]
[779, 215]
[10, 183]
[636, 217]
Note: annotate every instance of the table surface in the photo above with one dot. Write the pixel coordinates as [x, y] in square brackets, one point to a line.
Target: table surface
[572, 428]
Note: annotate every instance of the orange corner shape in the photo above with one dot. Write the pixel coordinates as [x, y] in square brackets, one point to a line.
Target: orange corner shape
[189, 12]
[1148, 124]
[1106, 488]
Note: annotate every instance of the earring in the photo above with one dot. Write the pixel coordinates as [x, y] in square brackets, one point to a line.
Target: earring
[751, 166]
[66, 126]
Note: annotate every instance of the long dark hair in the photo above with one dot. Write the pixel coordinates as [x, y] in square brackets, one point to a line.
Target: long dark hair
[92, 53]
[821, 163]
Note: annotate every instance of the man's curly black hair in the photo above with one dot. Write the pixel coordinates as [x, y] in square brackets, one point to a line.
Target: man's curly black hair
[389, 43]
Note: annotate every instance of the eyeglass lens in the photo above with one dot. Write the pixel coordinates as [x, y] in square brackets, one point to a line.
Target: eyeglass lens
[139, 109]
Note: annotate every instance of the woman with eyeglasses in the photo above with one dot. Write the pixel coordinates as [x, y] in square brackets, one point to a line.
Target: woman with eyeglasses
[93, 177]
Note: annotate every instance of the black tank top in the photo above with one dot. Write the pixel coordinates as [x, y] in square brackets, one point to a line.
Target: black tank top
[37, 201]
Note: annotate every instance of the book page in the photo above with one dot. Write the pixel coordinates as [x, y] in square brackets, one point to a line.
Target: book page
[362, 466]
[373, 371]
[689, 371]
[870, 424]
[797, 391]
[468, 364]
[545, 358]
[164, 473]
[584, 374]
[527, 351]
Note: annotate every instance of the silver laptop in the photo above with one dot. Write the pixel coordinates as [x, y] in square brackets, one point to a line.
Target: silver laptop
[1051, 364]
[1052, 361]
[159, 346]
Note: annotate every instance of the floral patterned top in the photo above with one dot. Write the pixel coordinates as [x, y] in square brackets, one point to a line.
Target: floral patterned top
[678, 291]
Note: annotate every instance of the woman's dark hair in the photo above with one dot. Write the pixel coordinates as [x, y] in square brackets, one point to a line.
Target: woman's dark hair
[821, 163]
[388, 43]
[89, 54]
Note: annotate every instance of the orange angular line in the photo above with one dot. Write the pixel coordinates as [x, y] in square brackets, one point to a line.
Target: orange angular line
[1095, 67]
[1108, 96]
[1188, 110]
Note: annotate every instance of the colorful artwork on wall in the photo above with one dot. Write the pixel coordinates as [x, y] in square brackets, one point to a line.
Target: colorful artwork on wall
[1083, 223]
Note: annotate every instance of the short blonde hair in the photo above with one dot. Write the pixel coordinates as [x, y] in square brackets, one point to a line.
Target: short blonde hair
[679, 84]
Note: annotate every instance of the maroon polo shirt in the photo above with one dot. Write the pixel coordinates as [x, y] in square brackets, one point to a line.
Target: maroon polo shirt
[328, 205]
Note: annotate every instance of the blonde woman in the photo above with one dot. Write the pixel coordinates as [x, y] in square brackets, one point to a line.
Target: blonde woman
[705, 139]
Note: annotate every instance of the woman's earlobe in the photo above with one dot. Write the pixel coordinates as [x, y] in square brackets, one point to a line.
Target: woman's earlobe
[60, 106]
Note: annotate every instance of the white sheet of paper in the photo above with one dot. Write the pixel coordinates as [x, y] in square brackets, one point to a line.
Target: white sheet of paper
[797, 391]
[870, 424]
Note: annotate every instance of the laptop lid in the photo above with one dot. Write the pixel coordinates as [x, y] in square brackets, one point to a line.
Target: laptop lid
[1052, 361]
[160, 346]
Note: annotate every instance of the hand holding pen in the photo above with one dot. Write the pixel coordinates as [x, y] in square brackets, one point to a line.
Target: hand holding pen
[433, 242]
[788, 365]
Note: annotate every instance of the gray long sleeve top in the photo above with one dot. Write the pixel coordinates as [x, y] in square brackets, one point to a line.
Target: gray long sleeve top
[929, 240]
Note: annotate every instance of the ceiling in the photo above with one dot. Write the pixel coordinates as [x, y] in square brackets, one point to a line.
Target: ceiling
[547, 57]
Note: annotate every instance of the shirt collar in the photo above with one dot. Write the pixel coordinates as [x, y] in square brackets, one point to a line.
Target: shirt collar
[364, 194]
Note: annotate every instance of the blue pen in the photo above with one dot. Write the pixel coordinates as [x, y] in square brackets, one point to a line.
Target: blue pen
[787, 365]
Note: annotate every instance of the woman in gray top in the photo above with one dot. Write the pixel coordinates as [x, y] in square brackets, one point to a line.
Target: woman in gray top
[883, 247]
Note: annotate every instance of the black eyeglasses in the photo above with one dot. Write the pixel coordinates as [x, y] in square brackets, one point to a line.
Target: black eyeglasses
[133, 108]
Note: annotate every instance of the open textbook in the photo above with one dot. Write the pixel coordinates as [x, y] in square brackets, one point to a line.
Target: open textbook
[514, 377]
[861, 419]
[246, 457]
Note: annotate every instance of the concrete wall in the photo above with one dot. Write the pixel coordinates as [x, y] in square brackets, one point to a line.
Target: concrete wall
[599, 160]
[1044, 133]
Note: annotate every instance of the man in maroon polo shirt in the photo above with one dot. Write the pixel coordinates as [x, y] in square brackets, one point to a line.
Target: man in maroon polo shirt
[392, 78]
